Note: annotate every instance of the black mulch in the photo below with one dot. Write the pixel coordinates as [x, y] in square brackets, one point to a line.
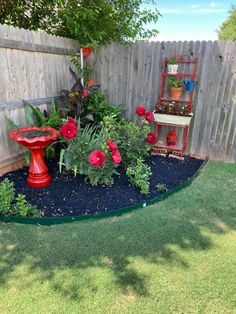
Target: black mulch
[69, 196]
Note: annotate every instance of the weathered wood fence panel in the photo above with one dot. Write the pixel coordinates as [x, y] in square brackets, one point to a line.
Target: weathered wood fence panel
[131, 75]
[34, 65]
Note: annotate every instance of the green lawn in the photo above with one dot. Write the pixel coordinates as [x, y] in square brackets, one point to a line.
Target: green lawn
[178, 256]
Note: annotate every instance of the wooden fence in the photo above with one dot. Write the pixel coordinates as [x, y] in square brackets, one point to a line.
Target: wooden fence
[131, 75]
[33, 65]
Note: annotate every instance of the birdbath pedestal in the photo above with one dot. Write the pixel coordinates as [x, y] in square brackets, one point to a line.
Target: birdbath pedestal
[36, 139]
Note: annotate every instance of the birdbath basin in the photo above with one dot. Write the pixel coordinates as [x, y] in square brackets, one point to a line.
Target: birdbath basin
[36, 139]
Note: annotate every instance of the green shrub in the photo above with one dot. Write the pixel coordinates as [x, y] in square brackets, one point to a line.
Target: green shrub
[76, 156]
[96, 107]
[161, 187]
[9, 205]
[130, 138]
[7, 195]
[139, 174]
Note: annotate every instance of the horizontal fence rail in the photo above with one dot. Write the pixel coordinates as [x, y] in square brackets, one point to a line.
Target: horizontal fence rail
[130, 75]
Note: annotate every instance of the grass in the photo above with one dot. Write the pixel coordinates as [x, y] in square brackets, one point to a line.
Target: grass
[178, 256]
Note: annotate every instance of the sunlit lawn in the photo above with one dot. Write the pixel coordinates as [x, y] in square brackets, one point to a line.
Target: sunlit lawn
[178, 256]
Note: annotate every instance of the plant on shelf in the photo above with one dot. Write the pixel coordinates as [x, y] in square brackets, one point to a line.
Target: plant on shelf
[175, 88]
[172, 66]
[174, 108]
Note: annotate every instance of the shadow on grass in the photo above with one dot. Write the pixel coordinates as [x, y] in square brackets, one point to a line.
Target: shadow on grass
[154, 235]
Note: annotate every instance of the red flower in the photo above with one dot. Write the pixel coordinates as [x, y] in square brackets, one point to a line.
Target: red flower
[90, 83]
[97, 158]
[149, 116]
[85, 92]
[151, 138]
[71, 120]
[69, 130]
[87, 51]
[111, 145]
[115, 156]
[140, 111]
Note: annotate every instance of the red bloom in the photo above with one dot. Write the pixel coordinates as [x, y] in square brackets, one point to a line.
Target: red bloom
[140, 111]
[115, 156]
[90, 83]
[111, 145]
[97, 158]
[71, 120]
[69, 130]
[85, 92]
[151, 138]
[149, 116]
[87, 51]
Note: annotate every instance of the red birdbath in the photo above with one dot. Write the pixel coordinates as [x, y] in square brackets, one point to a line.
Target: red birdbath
[36, 139]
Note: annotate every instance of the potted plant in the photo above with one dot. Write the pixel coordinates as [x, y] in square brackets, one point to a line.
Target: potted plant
[175, 88]
[172, 66]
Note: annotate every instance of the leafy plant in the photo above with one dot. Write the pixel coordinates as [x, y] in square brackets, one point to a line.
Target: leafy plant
[174, 82]
[23, 208]
[7, 195]
[172, 61]
[161, 187]
[130, 137]
[54, 117]
[96, 107]
[83, 152]
[139, 174]
[77, 95]
[9, 205]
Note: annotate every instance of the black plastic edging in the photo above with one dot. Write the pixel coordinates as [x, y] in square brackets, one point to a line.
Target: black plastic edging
[116, 212]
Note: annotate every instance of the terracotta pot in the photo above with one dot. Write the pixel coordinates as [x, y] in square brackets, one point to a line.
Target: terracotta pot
[171, 138]
[176, 92]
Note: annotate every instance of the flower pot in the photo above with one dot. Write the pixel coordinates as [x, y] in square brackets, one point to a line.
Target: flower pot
[176, 92]
[171, 138]
[172, 68]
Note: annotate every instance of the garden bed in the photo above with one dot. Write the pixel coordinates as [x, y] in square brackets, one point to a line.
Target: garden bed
[70, 196]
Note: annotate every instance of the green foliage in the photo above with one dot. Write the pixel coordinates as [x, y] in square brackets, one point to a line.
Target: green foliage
[35, 117]
[228, 27]
[174, 82]
[96, 107]
[23, 208]
[7, 195]
[161, 187]
[129, 136]
[9, 205]
[75, 156]
[84, 73]
[172, 61]
[86, 21]
[139, 174]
